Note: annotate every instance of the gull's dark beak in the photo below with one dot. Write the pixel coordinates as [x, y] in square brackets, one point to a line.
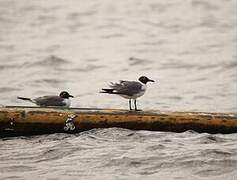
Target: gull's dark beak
[71, 96]
[150, 80]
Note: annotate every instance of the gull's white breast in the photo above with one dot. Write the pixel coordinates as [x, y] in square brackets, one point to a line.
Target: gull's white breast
[67, 102]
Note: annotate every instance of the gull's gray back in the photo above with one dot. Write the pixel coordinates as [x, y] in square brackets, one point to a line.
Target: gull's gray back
[127, 87]
[50, 101]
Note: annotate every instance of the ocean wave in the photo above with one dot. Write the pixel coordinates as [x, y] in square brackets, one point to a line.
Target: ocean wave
[50, 61]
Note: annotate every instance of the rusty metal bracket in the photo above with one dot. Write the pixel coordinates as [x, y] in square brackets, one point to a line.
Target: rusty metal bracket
[70, 123]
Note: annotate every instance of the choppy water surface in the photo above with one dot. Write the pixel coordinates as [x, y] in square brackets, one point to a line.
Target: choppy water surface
[189, 48]
[120, 154]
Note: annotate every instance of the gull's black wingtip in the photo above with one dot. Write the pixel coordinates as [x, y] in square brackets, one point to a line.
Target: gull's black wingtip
[23, 98]
[110, 91]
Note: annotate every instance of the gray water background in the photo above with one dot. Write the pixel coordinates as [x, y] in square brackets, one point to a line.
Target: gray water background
[189, 47]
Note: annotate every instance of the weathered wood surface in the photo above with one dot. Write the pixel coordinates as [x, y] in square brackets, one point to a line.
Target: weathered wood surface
[35, 120]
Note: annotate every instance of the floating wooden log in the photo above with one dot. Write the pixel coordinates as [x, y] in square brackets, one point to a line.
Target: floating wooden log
[18, 120]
